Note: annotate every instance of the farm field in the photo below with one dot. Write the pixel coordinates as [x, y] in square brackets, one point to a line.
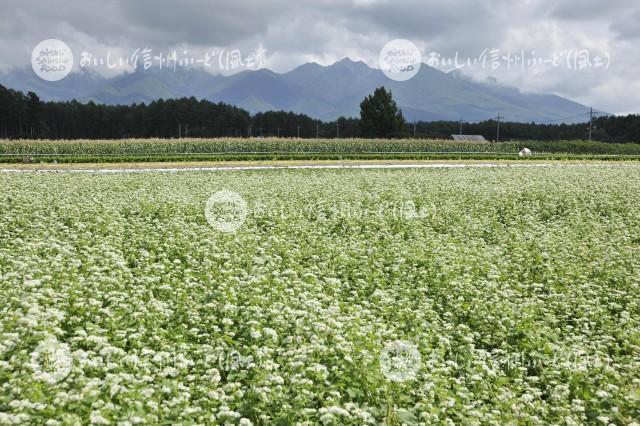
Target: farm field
[412, 296]
[274, 149]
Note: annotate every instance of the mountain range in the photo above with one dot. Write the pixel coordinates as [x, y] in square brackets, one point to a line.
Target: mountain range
[323, 92]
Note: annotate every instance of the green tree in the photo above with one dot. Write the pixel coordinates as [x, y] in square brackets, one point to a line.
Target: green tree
[380, 116]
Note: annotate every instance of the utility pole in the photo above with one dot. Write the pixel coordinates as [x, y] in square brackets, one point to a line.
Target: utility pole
[337, 130]
[414, 129]
[498, 129]
[249, 133]
[278, 132]
[298, 132]
[460, 122]
[590, 122]
[179, 131]
[317, 130]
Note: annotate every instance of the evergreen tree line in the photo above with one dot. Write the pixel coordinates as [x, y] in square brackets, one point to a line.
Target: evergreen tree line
[26, 116]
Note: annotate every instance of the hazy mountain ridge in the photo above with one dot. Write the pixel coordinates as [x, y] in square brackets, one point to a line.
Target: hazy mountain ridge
[324, 92]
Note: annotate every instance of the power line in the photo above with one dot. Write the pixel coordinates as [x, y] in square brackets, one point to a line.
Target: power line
[477, 120]
[561, 119]
[584, 114]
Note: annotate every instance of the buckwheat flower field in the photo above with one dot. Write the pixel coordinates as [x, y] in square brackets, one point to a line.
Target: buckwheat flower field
[417, 296]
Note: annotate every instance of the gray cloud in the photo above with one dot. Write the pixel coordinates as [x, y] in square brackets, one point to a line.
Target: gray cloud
[202, 22]
[294, 32]
[627, 26]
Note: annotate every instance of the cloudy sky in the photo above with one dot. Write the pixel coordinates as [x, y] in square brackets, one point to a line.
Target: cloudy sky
[552, 35]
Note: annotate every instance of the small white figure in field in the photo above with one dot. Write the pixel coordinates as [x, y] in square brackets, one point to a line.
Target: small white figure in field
[525, 152]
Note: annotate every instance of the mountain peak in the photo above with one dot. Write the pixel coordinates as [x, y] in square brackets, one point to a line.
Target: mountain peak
[348, 62]
[348, 67]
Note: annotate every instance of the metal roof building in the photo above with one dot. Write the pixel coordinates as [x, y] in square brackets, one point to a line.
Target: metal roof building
[469, 138]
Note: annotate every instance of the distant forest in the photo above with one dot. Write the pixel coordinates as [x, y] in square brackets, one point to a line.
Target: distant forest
[26, 116]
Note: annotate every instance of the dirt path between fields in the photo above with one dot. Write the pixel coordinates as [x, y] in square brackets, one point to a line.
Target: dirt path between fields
[285, 165]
